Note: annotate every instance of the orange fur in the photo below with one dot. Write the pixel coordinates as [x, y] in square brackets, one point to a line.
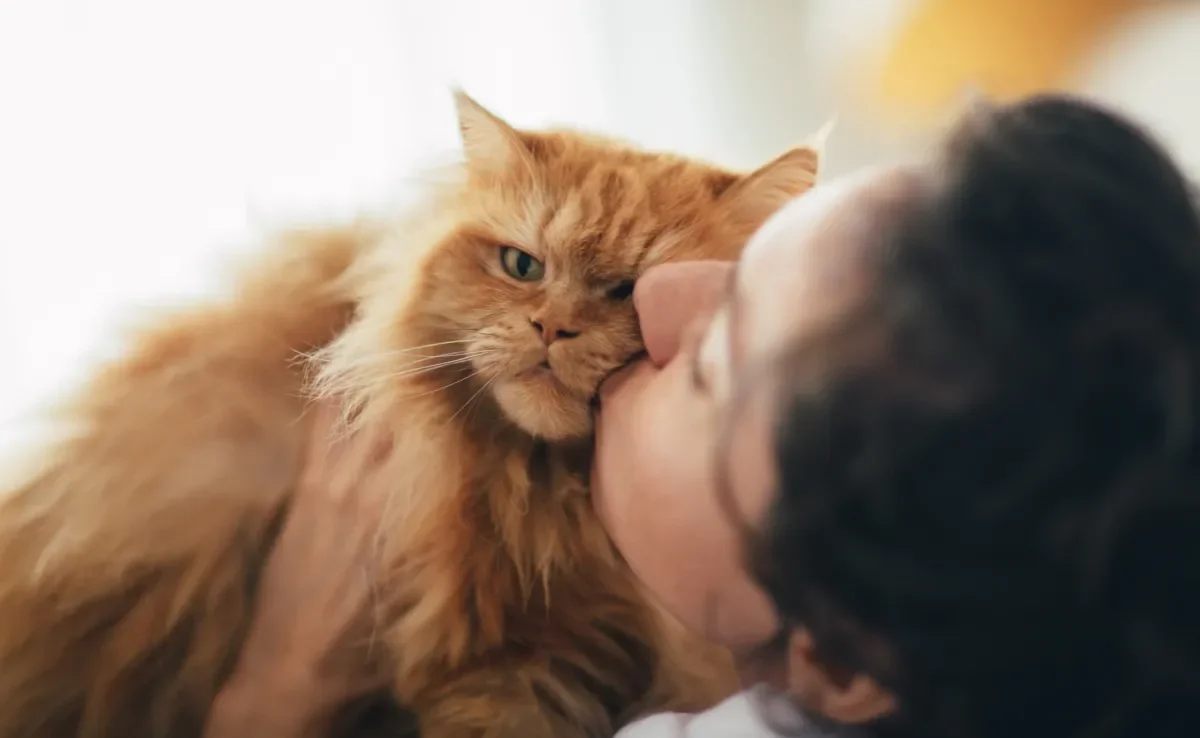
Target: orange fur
[128, 553]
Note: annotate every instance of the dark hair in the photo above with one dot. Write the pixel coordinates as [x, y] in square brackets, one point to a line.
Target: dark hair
[995, 510]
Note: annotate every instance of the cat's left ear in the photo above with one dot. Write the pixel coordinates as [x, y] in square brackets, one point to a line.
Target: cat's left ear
[490, 145]
[757, 195]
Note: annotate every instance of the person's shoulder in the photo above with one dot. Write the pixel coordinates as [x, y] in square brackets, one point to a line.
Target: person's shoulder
[736, 717]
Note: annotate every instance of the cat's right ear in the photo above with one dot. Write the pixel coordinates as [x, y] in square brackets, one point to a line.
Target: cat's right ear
[754, 197]
[491, 146]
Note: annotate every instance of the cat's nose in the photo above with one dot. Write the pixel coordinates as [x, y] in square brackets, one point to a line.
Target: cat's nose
[551, 331]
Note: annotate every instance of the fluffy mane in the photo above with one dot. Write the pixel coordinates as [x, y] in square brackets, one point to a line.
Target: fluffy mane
[469, 340]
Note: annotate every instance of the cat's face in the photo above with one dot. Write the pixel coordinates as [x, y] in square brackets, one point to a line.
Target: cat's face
[533, 284]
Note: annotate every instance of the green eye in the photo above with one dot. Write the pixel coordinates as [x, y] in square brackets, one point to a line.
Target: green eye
[520, 265]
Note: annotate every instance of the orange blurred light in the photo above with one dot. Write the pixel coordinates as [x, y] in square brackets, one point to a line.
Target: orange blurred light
[1004, 48]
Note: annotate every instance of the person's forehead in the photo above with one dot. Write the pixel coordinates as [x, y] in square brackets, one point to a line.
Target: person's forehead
[778, 236]
[802, 260]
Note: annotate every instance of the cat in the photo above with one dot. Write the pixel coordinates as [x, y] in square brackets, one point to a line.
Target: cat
[473, 336]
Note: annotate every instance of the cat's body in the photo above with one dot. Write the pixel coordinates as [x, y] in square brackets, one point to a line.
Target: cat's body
[128, 555]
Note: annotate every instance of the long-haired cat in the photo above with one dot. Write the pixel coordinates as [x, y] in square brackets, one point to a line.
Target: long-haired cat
[473, 338]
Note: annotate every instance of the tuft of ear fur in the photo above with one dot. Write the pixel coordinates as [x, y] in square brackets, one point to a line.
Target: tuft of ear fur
[817, 141]
[759, 194]
[490, 145]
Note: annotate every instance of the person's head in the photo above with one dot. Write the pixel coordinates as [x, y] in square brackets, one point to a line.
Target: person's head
[941, 439]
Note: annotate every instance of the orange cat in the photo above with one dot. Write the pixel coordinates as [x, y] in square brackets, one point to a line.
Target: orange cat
[473, 338]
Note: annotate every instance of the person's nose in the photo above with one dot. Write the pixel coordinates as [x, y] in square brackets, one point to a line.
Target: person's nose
[671, 297]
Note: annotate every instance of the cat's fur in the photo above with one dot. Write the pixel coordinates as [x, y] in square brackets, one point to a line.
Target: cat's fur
[128, 554]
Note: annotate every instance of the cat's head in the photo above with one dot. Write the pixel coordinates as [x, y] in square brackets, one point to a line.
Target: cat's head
[526, 296]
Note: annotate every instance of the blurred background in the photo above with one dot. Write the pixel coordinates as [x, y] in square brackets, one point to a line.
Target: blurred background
[141, 140]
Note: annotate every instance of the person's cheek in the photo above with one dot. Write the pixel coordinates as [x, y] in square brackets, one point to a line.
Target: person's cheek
[618, 474]
[669, 539]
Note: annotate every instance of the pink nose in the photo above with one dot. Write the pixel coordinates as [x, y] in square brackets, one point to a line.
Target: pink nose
[671, 297]
[551, 331]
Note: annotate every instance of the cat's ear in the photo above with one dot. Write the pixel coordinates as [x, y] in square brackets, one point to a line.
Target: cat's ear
[490, 144]
[759, 194]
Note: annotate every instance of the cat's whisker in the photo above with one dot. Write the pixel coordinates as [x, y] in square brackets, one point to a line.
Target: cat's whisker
[391, 498]
[410, 349]
[300, 358]
[478, 398]
[372, 361]
[378, 356]
[388, 359]
[471, 399]
[430, 367]
[474, 407]
[422, 362]
[413, 371]
[443, 387]
[462, 354]
[351, 376]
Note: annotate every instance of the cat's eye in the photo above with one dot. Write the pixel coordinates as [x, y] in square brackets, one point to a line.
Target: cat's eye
[520, 265]
[622, 291]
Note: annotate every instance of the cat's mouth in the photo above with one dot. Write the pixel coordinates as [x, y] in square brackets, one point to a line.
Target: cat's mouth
[544, 373]
[540, 370]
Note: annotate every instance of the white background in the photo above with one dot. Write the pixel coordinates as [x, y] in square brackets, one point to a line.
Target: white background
[141, 139]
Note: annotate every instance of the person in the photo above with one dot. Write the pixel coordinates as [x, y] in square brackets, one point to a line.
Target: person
[926, 459]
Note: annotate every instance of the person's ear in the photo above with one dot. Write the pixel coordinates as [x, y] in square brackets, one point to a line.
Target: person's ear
[849, 699]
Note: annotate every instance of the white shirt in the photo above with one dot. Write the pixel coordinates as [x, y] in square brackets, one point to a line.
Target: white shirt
[739, 716]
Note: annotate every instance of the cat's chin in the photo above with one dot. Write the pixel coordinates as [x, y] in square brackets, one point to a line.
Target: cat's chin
[544, 408]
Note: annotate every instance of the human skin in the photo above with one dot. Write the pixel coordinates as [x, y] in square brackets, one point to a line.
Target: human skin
[662, 427]
[699, 412]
